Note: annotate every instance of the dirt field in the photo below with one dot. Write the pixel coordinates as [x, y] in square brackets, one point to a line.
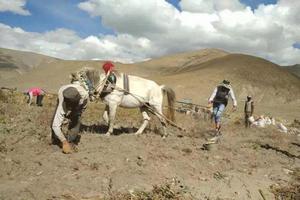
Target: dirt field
[246, 164]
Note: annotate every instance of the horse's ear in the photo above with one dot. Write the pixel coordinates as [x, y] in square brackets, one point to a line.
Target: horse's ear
[73, 76]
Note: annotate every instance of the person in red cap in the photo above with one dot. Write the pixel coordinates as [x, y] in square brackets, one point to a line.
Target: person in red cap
[108, 68]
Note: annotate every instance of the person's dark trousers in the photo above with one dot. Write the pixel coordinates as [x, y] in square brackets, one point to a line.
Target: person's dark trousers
[247, 122]
[74, 127]
[39, 100]
[54, 138]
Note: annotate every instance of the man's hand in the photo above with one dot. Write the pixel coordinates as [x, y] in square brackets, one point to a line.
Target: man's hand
[92, 98]
[234, 108]
[209, 105]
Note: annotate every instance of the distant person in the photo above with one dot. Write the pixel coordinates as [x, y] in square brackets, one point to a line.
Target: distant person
[248, 110]
[72, 101]
[219, 100]
[35, 92]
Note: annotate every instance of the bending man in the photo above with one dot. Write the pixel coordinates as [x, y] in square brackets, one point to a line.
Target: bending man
[72, 101]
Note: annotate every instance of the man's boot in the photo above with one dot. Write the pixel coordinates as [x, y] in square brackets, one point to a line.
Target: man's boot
[66, 147]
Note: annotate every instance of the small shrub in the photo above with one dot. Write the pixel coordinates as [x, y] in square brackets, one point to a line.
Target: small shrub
[291, 192]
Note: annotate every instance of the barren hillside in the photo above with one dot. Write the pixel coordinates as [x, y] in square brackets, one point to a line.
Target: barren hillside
[295, 69]
[192, 75]
[253, 163]
[264, 80]
[177, 62]
[22, 60]
[245, 164]
[14, 63]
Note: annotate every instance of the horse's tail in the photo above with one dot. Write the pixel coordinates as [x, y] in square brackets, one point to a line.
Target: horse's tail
[171, 101]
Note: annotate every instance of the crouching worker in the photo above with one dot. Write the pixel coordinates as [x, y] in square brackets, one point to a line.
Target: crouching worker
[72, 101]
[35, 92]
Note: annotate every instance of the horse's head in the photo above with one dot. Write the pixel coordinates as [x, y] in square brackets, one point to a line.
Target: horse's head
[91, 79]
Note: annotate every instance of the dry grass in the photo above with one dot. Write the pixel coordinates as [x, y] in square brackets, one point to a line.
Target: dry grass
[27, 127]
[167, 191]
[290, 191]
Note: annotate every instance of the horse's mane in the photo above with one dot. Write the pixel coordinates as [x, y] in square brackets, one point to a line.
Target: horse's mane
[117, 73]
[86, 75]
[89, 71]
[89, 77]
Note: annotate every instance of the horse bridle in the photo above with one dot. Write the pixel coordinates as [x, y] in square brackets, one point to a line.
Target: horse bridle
[94, 91]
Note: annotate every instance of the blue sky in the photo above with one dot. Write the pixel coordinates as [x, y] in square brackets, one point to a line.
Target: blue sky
[53, 14]
[254, 3]
[135, 30]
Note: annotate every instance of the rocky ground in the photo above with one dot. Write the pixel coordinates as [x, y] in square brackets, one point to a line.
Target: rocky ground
[256, 163]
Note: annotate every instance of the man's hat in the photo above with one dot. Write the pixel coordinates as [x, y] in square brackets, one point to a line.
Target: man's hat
[71, 94]
[226, 82]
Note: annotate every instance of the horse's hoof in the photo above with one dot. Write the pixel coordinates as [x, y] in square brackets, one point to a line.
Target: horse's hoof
[107, 134]
[138, 133]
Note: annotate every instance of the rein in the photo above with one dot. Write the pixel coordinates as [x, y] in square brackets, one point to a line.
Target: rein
[99, 87]
[151, 109]
[96, 90]
[86, 83]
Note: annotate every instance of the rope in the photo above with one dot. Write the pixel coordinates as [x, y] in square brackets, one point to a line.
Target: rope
[193, 104]
[164, 106]
[98, 87]
[136, 96]
[151, 109]
[101, 85]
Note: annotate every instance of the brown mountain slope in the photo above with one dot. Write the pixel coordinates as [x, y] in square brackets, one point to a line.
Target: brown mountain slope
[55, 73]
[294, 69]
[266, 81]
[51, 76]
[22, 60]
[192, 75]
[176, 62]
[13, 62]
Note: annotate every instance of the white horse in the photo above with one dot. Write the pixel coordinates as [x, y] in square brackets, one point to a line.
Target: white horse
[144, 94]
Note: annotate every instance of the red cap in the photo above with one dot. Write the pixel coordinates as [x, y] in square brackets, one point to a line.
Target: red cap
[108, 66]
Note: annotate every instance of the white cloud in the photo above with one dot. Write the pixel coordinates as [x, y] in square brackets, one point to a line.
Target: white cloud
[154, 28]
[210, 6]
[66, 44]
[134, 17]
[225, 24]
[14, 6]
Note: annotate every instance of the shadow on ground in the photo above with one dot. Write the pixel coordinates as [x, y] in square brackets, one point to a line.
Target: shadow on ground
[102, 129]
